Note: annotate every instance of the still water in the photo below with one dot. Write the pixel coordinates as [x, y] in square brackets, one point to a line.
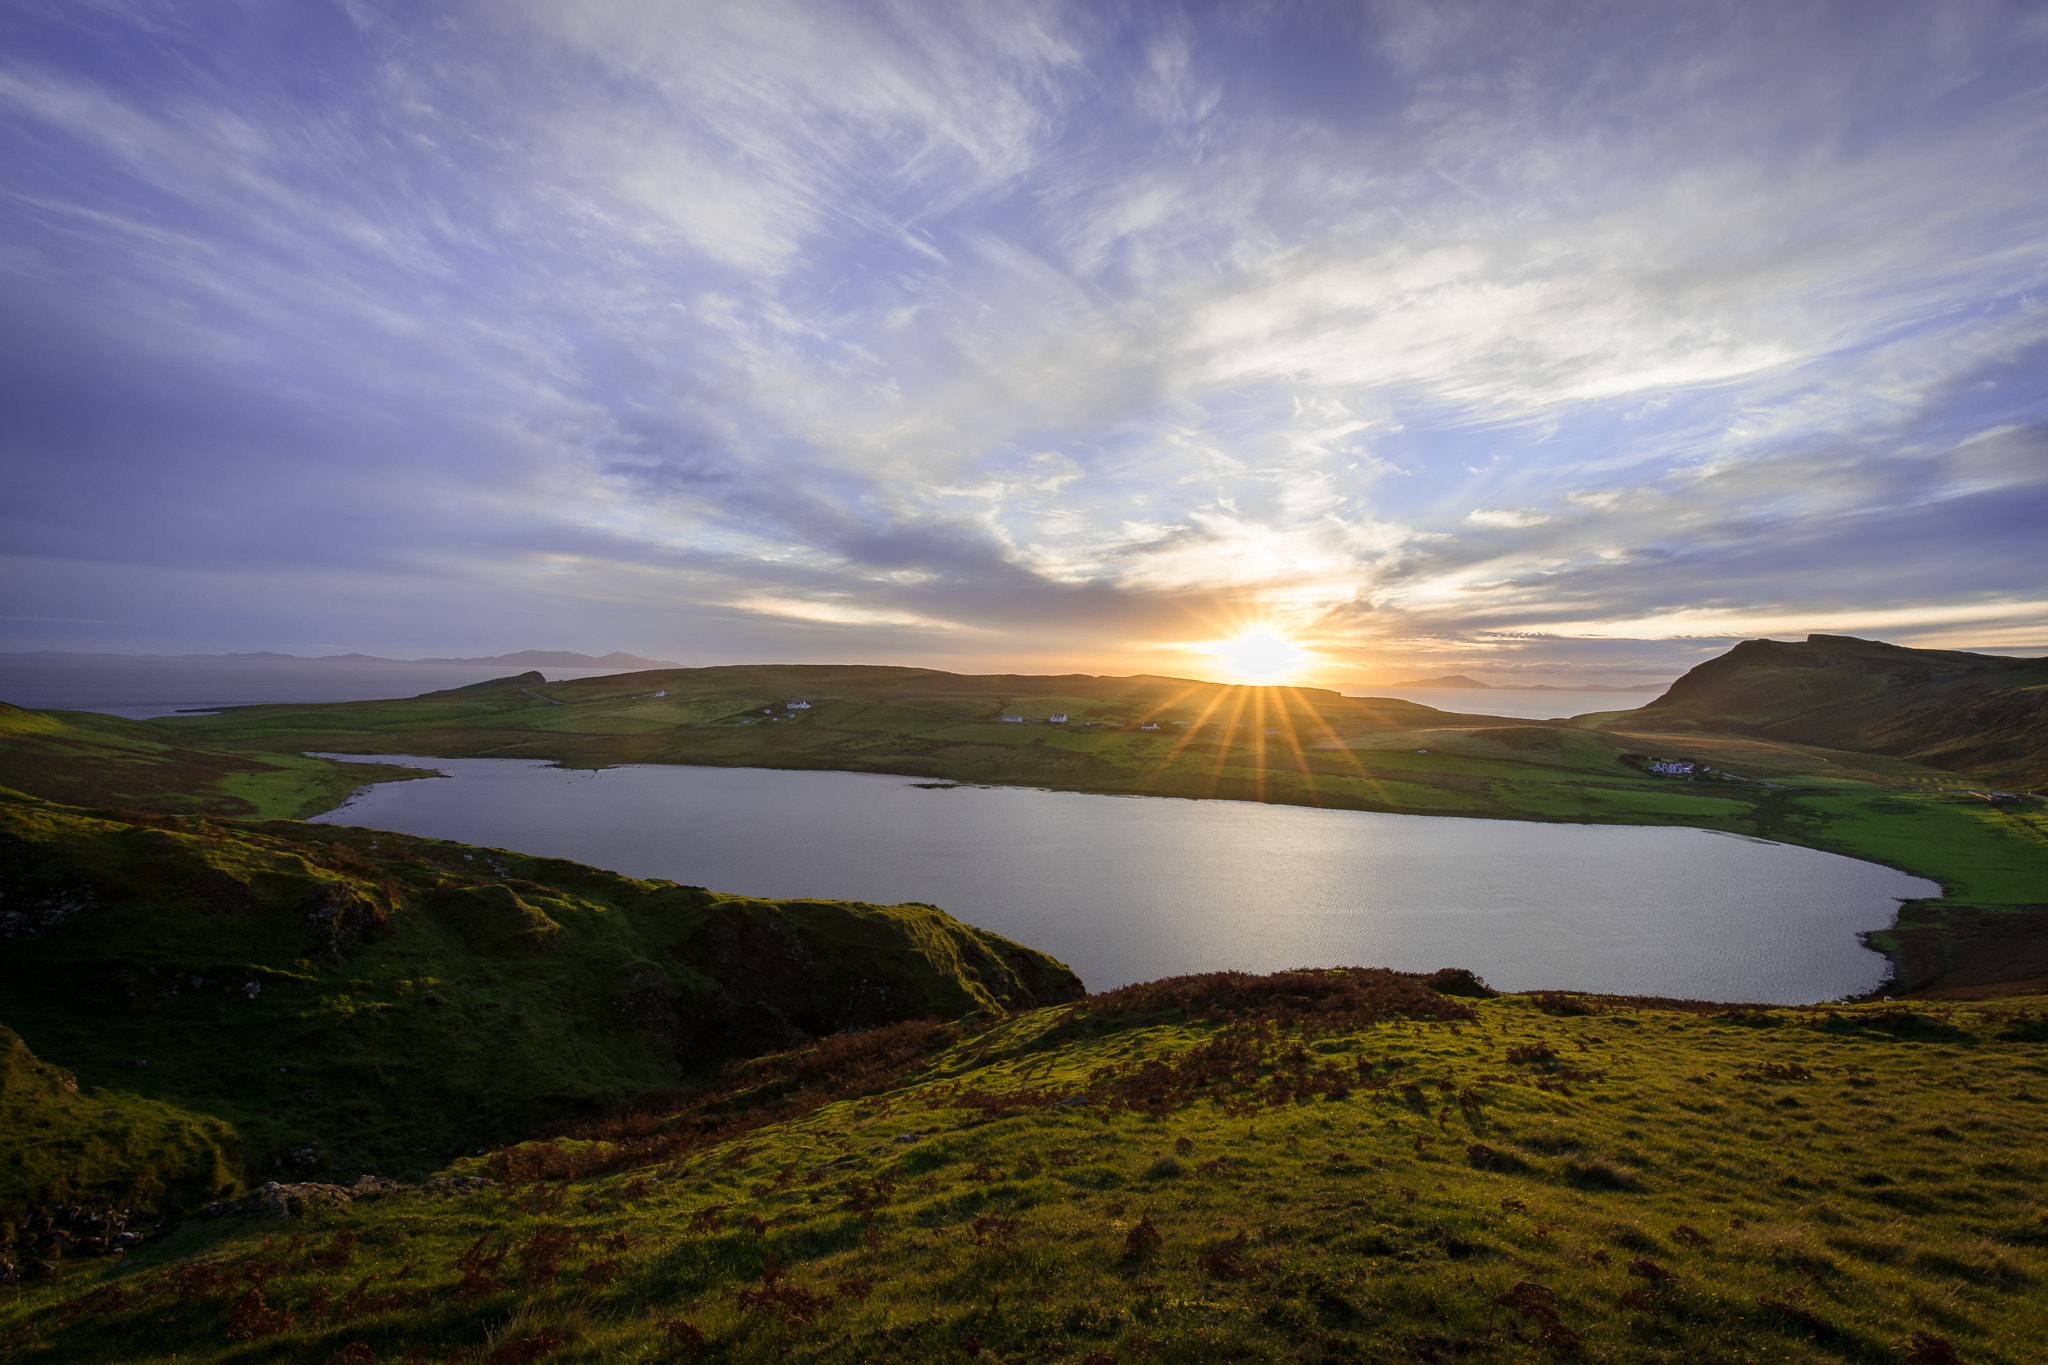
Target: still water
[1133, 888]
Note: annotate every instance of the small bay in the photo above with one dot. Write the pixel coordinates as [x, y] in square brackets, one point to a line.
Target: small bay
[1133, 888]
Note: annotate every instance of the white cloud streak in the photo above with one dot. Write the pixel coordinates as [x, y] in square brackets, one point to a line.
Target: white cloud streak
[971, 318]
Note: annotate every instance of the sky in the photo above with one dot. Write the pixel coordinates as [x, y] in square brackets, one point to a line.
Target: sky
[1535, 341]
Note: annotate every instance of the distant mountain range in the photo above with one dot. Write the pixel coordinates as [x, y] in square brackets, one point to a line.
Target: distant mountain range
[1460, 680]
[525, 658]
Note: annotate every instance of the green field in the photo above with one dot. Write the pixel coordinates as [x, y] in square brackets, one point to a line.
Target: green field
[1315, 1167]
[79, 756]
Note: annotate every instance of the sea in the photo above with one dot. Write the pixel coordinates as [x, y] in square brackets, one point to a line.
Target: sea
[1521, 703]
[141, 688]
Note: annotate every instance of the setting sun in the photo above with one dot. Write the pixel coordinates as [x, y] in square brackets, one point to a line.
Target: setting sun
[1260, 656]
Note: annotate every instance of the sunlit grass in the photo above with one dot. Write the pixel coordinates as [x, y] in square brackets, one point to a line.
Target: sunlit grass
[1549, 1176]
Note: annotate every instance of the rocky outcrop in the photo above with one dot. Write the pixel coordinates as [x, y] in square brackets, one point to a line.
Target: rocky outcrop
[31, 913]
[54, 1232]
[342, 919]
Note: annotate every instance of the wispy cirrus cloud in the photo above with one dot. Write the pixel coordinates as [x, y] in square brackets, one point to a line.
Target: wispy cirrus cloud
[1030, 331]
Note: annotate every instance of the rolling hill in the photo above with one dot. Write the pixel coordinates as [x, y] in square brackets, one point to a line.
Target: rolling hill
[1980, 714]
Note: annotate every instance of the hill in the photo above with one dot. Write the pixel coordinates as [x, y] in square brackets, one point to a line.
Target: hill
[90, 759]
[1980, 714]
[1342, 1165]
[337, 998]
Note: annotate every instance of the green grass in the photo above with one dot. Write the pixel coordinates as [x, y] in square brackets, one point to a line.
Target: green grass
[1567, 1177]
[100, 1144]
[1982, 853]
[79, 756]
[351, 998]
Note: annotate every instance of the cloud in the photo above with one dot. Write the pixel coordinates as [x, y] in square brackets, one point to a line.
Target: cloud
[1502, 517]
[1030, 324]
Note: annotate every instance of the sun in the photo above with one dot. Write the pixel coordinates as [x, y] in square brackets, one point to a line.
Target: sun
[1261, 655]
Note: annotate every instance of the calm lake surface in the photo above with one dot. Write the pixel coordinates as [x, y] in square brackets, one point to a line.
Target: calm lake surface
[1133, 888]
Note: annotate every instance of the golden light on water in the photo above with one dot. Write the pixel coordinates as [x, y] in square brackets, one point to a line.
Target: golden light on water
[1259, 655]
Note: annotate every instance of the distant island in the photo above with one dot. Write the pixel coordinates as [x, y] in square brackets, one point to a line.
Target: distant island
[525, 658]
[1460, 680]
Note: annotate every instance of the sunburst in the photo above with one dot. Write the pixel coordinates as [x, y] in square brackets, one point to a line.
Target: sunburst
[1259, 655]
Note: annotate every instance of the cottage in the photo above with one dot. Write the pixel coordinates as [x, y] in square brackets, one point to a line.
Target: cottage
[1013, 720]
[662, 693]
[1149, 725]
[799, 706]
[1056, 718]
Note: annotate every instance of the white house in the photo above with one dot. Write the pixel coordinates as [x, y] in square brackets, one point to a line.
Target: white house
[799, 706]
[1149, 725]
[1013, 720]
[1057, 718]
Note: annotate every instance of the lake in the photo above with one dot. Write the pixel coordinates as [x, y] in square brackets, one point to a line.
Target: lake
[1133, 888]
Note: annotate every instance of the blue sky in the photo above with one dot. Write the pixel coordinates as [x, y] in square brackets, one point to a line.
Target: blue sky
[1529, 340]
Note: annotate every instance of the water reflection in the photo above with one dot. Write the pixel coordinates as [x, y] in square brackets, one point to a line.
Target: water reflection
[1133, 888]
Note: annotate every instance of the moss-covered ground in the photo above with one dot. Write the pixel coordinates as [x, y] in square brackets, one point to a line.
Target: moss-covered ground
[90, 759]
[240, 1001]
[1219, 1169]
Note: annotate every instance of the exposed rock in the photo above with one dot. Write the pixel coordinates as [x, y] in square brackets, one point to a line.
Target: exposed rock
[29, 913]
[294, 1201]
[343, 919]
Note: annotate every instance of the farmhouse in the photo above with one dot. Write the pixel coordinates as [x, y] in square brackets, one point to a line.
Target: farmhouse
[1013, 720]
[1056, 718]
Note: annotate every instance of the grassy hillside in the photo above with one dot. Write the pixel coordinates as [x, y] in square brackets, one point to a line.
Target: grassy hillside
[1973, 713]
[90, 759]
[1328, 1166]
[346, 998]
[64, 1141]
